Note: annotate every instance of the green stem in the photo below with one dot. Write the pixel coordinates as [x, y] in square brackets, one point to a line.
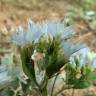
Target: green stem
[43, 91]
[62, 89]
[43, 87]
[54, 84]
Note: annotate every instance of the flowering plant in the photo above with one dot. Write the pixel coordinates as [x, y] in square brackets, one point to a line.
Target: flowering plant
[48, 57]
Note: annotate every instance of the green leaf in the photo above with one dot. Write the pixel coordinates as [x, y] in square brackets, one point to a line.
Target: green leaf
[92, 77]
[41, 45]
[88, 77]
[82, 85]
[54, 58]
[54, 68]
[76, 62]
[27, 63]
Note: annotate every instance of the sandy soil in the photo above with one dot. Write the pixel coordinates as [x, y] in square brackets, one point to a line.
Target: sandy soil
[12, 16]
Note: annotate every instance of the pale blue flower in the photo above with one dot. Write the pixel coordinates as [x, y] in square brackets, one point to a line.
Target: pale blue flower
[92, 59]
[57, 27]
[18, 37]
[33, 32]
[36, 30]
[81, 55]
[84, 56]
[70, 48]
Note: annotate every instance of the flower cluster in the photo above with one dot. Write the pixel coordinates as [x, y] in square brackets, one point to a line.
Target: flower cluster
[45, 59]
[52, 28]
[84, 56]
[36, 30]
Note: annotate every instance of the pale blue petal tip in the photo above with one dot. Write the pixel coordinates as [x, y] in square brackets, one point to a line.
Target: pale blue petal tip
[82, 56]
[36, 30]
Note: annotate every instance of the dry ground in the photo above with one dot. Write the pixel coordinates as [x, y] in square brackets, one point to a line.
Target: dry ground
[12, 16]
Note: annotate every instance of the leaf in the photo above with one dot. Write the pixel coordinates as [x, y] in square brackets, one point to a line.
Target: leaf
[54, 68]
[85, 80]
[27, 63]
[41, 45]
[82, 85]
[76, 61]
[88, 77]
[92, 77]
[54, 59]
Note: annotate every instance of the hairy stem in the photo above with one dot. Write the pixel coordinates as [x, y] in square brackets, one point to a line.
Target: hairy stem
[54, 84]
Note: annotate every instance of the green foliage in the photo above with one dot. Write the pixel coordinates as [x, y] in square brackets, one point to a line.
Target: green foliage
[54, 59]
[28, 63]
[80, 77]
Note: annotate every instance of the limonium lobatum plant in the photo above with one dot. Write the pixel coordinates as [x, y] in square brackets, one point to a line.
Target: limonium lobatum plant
[47, 52]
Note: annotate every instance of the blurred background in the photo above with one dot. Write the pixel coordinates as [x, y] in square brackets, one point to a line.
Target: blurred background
[79, 13]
